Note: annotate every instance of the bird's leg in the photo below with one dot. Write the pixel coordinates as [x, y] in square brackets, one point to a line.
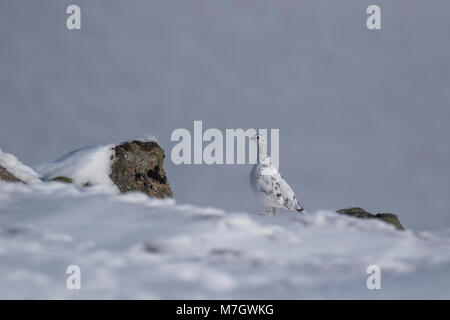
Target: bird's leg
[274, 210]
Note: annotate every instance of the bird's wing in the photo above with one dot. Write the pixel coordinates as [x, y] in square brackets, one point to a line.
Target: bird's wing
[288, 195]
[278, 191]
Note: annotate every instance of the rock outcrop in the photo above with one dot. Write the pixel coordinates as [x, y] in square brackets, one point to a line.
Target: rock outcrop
[138, 166]
[361, 213]
[8, 176]
[62, 179]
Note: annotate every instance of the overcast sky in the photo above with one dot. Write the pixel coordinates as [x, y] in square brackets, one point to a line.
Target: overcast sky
[363, 115]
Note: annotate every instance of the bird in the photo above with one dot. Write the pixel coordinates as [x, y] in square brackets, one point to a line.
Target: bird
[269, 186]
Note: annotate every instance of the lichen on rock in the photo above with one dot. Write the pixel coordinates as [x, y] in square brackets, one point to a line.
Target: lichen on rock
[361, 213]
[138, 166]
[62, 179]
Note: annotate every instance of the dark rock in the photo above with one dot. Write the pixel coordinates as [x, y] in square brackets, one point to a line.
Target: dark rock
[151, 248]
[361, 213]
[138, 166]
[62, 179]
[8, 176]
[390, 218]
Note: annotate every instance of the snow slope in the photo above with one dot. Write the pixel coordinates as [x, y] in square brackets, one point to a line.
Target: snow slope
[131, 246]
[89, 165]
[17, 168]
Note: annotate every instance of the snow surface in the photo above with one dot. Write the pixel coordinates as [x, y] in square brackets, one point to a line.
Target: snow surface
[17, 168]
[132, 246]
[89, 165]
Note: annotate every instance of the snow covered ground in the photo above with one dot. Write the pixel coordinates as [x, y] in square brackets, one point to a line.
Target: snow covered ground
[131, 246]
[365, 110]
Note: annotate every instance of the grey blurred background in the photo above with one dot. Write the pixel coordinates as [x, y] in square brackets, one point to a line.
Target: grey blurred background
[363, 115]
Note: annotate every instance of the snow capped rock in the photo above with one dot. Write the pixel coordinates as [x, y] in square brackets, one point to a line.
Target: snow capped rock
[125, 167]
[85, 166]
[12, 169]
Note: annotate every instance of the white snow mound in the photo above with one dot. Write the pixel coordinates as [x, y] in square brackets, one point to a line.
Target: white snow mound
[90, 165]
[17, 168]
[132, 246]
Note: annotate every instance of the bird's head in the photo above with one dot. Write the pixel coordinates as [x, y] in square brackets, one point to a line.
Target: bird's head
[258, 138]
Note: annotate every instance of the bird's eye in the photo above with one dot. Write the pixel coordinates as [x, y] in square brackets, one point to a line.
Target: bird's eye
[257, 137]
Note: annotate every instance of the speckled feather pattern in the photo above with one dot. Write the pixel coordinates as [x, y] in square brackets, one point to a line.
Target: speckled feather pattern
[268, 185]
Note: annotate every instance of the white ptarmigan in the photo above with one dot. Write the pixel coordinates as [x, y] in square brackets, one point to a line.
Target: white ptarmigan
[267, 183]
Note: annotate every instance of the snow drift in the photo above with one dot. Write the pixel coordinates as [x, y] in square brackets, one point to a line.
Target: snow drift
[89, 165]
[132, 246]
[17, 168]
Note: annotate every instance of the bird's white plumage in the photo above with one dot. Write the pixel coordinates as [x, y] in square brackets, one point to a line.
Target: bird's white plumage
[268, 185]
